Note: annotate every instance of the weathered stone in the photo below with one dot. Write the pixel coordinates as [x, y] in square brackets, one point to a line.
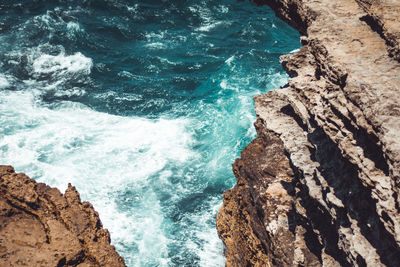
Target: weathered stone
[41, 227]
[320, 184]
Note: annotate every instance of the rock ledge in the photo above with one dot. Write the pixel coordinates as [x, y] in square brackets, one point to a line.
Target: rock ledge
[39, 226]
[320, 185]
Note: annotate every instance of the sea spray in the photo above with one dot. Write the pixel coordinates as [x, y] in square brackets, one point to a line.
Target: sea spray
[143, 106]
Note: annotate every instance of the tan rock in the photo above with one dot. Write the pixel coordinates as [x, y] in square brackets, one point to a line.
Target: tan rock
[41, 227]
[336, 132]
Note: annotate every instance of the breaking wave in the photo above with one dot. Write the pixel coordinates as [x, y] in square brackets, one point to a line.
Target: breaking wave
[143, 107]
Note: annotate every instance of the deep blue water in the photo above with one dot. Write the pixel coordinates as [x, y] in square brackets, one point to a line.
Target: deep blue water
[142, 105]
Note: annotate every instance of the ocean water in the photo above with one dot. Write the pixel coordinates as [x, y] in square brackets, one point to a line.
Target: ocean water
[142, 105]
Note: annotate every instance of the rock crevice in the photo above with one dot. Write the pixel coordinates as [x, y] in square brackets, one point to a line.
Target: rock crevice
[320, 184]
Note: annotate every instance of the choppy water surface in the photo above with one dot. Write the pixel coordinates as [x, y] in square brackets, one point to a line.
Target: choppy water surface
[142, 105]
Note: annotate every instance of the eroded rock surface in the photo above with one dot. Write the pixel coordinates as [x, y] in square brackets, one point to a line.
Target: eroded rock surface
[39, 226]
[320, 184]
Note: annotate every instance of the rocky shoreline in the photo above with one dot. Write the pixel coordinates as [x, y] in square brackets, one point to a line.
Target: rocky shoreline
[319, 186]
[39, 226]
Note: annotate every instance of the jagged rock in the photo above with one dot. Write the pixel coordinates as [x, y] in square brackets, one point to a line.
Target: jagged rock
[320, 184]
[41, 227]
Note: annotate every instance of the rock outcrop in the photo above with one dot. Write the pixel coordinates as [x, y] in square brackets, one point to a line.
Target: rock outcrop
[320, 185]
[39, 226]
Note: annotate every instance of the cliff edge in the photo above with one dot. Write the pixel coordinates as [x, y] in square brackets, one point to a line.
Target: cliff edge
[39, 226]
[319, 186]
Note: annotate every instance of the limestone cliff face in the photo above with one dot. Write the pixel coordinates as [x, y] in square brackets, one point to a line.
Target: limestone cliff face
[41, 227]
[321, 183]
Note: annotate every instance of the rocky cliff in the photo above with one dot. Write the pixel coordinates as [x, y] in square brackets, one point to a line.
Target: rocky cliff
[39, 226]
[320, 183]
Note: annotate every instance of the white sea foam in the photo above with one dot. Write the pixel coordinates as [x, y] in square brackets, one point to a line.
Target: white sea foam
[155, 35]
[229, 60]
[132, 9]
[57, 69]
[61, 64]
[4, 83]
[294, 51]
[206, 15]
[73, 26]
[51, 22]
[102, 155]
[163, 40]
[208, 27]
[125, 74]
[114, 159]
[278, 79]
[206, 244]
[156, 45]
[223, 84]
[223, 9]
[212, 253]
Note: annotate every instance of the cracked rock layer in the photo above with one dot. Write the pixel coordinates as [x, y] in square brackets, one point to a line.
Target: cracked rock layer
[319, 186]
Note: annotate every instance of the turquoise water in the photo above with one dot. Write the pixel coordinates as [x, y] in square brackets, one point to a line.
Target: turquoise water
[142, 105]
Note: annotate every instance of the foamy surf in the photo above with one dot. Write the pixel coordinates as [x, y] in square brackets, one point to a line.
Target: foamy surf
[102, 155]
[142, 107]
[61, 64]
[4, 83]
